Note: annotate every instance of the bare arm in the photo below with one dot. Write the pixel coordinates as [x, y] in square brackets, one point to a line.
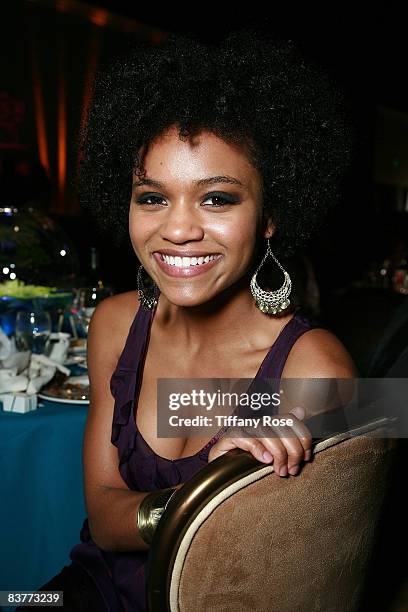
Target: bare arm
[324, 371]
[112, 507]
[317, 354]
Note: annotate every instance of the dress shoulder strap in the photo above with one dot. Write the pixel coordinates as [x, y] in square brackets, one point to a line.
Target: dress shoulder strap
[135, 341]
[124, 378]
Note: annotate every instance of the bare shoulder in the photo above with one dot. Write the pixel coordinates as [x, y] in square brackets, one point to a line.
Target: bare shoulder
[318, 353]
[117, 306]
[108, 329]
[111, 321]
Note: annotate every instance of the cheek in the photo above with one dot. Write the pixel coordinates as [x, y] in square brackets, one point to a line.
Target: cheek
[140, 229]
[238, 232]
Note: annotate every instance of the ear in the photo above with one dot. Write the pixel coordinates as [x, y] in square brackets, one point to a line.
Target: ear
[269, 228]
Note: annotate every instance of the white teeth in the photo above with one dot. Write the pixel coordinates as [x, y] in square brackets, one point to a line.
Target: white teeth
[185, 262]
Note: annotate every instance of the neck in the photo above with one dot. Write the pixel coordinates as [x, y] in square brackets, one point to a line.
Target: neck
[217, 321]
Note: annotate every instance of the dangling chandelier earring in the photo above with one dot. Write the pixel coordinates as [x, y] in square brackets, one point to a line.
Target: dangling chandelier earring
[147, 301]
[271, 302]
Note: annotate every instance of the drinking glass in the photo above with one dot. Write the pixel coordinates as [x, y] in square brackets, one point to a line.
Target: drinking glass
[33, 329]
[84, 303]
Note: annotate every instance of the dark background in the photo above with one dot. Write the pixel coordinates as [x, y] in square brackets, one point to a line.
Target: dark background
[49, 52]
[365, 52]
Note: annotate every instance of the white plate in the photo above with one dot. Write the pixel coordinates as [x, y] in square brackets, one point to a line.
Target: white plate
[74, 360]
[77, 350]
[82, 379]
[61, 400]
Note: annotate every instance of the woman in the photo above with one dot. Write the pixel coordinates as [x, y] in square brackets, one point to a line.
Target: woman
[218, 160]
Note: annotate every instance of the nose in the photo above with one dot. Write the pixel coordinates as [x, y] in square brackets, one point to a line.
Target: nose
[181, 224]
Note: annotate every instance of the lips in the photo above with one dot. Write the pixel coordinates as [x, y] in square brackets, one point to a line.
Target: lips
[184, 272]
[175, 253]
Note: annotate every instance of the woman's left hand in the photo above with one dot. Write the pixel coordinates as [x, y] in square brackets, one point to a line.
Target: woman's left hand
[287, 453]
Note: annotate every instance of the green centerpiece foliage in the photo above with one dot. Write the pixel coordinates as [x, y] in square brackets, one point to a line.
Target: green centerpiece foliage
[17, 289]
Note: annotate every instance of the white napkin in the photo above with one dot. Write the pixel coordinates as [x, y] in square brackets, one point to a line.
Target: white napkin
[10, 381]
[12, 363]
[60, 346]
[41, 371]
[26, 371]
[5, 344]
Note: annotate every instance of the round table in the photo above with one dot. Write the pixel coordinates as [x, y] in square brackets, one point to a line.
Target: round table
[42, 500]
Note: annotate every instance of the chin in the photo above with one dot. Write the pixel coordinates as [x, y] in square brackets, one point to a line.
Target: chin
[187, 300]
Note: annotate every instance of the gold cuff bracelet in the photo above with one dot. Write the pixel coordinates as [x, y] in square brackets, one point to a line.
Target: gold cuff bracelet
[150, 511]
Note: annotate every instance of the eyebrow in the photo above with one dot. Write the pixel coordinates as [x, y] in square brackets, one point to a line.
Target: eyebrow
[209, 180]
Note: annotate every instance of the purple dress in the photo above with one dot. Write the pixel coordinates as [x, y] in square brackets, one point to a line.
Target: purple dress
[120, 576]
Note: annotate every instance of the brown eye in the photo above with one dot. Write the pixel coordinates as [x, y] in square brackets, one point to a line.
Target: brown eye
[220, 199]
[149, 199]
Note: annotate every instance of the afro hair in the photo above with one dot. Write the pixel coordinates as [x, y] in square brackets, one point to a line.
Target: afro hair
[251, 89]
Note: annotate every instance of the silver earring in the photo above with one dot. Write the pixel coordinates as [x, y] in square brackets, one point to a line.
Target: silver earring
[271, 302]
[147, 301]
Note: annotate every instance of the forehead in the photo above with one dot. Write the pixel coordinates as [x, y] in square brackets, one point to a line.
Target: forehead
[204, 154]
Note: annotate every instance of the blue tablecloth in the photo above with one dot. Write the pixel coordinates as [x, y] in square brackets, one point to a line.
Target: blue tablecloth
[42, 500]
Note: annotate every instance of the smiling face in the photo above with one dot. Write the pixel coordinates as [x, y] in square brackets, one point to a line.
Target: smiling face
[199, 200]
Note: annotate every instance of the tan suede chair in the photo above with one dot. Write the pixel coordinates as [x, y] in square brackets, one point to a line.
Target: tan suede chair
[237, 537]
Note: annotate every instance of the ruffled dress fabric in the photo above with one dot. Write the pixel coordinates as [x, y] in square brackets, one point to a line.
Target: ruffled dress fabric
[121, 576]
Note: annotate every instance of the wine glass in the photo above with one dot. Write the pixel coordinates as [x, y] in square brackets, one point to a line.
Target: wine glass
[32, 330]
[84, 303]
